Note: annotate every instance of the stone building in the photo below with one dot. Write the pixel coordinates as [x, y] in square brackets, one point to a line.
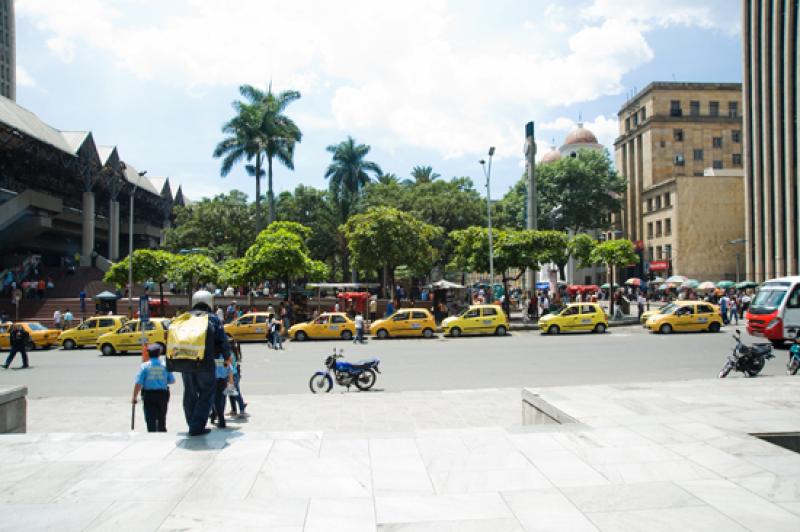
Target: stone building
[680, 149]
[772, 240]
[8, 74]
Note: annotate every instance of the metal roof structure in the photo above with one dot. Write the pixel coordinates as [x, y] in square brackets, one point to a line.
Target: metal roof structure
[27, 122]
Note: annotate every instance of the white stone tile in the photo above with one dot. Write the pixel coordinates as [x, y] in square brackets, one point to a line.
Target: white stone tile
[147, 450]
[17, 472]
[316, 478]
[341, 514]
[716, 460]
[47, 483]
[253, 450]
[793, 507]
[271, 514]
[772, 487]
[64, 517]
[546, 510]
[616, 455]
[225, 480]
[91, 489]
[132, 516]
[475, 525]
[564, 469]
[422, 508]
[686, 519]
[148, 469]
[622, 473]
[96, 451]
[787, 463]
[624, 497]
[487, 481]
[746, 508]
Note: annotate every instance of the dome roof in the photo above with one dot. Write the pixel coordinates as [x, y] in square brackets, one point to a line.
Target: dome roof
[580, 136]
[551, 156]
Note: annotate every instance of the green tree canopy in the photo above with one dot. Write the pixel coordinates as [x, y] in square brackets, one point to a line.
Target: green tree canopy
[614, 253]
[383, 238]
[193, 269]
[423, 174]
[312, 208]
[223, 225]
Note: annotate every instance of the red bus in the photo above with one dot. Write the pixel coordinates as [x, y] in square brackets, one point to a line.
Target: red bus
[775, 311]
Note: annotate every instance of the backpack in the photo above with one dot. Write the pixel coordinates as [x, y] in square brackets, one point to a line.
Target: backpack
[190, 343]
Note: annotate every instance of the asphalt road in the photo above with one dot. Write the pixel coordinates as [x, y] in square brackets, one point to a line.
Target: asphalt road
[625, 354]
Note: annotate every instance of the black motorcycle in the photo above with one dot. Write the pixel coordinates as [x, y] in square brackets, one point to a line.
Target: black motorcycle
[749, 360]
[361, 374]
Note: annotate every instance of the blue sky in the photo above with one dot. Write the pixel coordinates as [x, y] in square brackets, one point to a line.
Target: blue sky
[423, 82]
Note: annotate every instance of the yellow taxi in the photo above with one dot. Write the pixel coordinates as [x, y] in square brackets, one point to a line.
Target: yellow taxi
[405, 322]
[329, 325]
[90, 330]
[40, 336]
[575, 317]
[129, 336]
[477, 319]
[646, 315]
[686, 316]
[250, 326]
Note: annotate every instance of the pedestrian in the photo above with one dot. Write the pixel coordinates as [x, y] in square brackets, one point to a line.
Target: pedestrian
[389, 308]
[67, 318]
[275, 331]
[230, 313]
[286, 319]
[220, 314]
[733, 312]
[373, 308]
[641, 301]
[224, 378]
[57, 319]
[723, 307]
[237, 400]
[199, 379]
[153, 382]
[359, 329]
[18, 340]
[745, 303]
[82, 296]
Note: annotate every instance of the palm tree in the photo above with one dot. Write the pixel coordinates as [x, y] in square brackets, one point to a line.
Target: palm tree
[388, 179]
[423, 174]
[347, 174]
[244, 141]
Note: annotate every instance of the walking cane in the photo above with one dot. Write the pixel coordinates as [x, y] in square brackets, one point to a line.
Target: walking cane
[133, 414]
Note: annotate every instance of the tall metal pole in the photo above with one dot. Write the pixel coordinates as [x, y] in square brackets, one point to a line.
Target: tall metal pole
[530, 156]
[488, 174]
[130, 247]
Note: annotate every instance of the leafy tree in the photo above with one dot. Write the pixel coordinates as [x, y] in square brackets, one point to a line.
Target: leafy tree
[312, 208]
[388, 179]
[581, 247]
[347, 174]
[510, 211]
[223, 225]
[613, 253]
[423, 174]
[235, 272]
[193, 269]
[147, 264]
[384, 238]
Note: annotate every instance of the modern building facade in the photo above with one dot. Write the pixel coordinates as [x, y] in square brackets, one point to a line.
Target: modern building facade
[772, 238]
[680, 149]
[8, 76]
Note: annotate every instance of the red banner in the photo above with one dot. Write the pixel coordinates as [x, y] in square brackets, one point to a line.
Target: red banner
[659, 265]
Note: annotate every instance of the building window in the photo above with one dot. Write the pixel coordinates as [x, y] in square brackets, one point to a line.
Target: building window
[713, 108]
[658, 253]
[679, 160]
[736, 136]
[736, 159]
[677, 135]
[717, 165]
[658, 202]
[668, 251]
[658, 228]
[627, 124]
[635, 120]
[650, 253]
[733, 109]
[649, 204]
[643, 112]
[650, 230]
[667, 200]
[697, 155]
[667, 227]
[694, 108]
[675, 108]
[698, 174]
[716, 142]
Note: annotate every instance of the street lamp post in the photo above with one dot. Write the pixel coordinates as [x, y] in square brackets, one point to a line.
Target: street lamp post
[738, 254]
[130, 246]
[487, 172]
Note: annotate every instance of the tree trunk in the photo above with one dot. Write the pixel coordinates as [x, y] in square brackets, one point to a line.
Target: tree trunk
[611, 291]
[259, 225]
[270, 196]
[161, 297]
[386, 277]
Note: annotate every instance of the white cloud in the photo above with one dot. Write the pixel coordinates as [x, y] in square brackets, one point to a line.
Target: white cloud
[401, 73]
[24, 79]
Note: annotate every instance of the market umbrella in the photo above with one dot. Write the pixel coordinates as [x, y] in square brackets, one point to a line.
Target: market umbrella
[706, 285]
[445, 285]
[634, 281]
[677, 279]
[106, 296]
[663, 286]
[658, 279]
[690, 283]
[605, 286]
[726, 284]
[746, 284]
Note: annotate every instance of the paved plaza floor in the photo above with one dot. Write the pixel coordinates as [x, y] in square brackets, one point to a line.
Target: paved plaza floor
[663, 456]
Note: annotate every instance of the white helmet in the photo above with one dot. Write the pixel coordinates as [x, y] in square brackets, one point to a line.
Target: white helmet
[203, 296]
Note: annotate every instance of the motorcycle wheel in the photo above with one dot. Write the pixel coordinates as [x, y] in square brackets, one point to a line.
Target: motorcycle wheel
[320, 384]
[755, 367]
[792, 368]
[365, 380]
[725, 370]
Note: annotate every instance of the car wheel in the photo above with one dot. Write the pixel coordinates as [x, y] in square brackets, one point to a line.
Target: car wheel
[347, 335]
[69, 344]
[427, 333]
[107, 350]
[714, 327]
[553, 329]
[600, 328]
[383, 334]
[455, 332]
[665, 329]
[501, 330]
[300, 336]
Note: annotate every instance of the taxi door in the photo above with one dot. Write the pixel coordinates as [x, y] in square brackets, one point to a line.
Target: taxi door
[703, 316]
[337, 325]
[244, 328]
[126, 335]
[570, 318]
[260, 324]
[685, 318]
[418, 322]
[5, 335]
[490, 319]
[401, 324]
[319, 328]
[106, 325]
[472, 320]
[87, 332]
[587, 318]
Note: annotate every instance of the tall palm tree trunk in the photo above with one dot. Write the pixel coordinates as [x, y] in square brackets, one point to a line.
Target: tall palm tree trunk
[259, 224]
[270, 196]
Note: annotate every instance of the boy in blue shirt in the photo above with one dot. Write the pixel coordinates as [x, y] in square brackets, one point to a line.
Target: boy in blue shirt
[153, 382]
[224, 372]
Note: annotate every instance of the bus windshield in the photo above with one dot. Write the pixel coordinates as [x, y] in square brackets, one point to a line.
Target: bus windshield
[767, 300]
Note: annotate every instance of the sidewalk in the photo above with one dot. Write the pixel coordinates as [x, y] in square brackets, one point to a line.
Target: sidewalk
[666, 456]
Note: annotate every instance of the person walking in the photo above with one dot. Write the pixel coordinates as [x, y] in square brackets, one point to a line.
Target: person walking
[641, 301]
[223, 370]
[734, 310]
[359, 339]
[723, 307]
[68, 319]
[237, 400]
[57, 319]
[389, 308]
[373, 308]
[153, 382]
[220, 314]
[18, 338]
[199, 383]
[275, 331]
[82, 296]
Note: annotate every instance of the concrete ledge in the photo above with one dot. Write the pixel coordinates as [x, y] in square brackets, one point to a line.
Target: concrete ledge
[13, 409]
[537, 411]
